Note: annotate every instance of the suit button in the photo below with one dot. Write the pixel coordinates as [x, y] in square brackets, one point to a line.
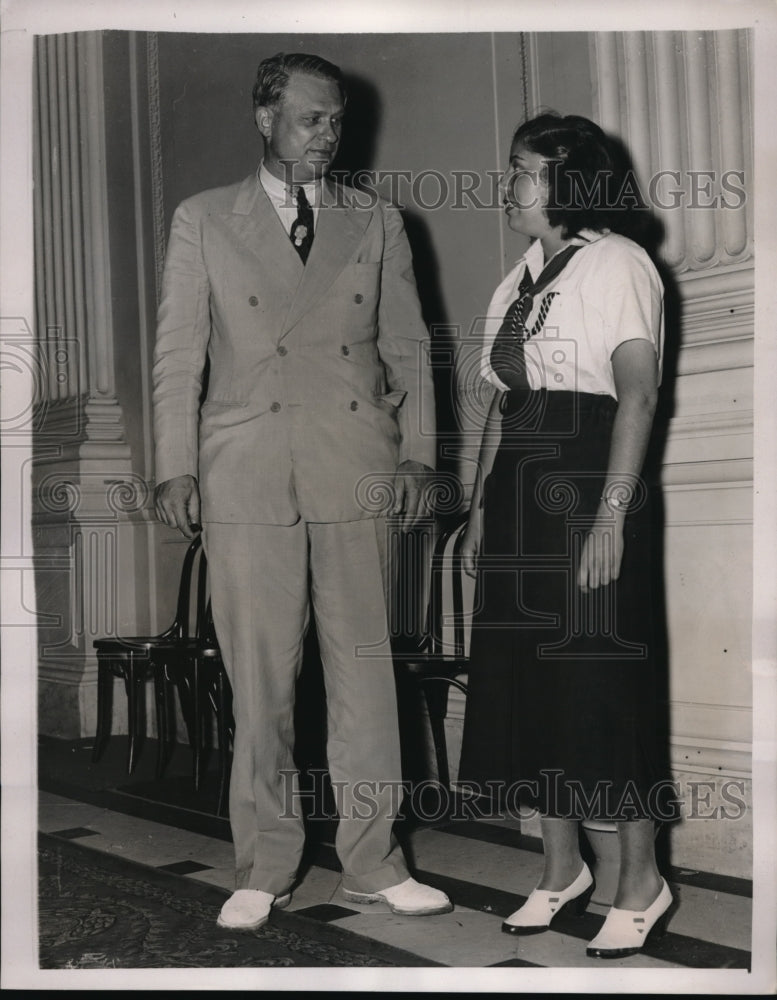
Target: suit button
[358, 298]
[354, 405]
[253, 301]
[275, 407]
[345, 351]
[282, 351]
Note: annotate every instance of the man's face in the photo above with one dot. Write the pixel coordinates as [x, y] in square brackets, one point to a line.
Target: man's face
[302, 133]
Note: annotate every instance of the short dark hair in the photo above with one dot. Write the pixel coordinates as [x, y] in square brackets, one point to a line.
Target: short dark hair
[589, 181]
[272, 76]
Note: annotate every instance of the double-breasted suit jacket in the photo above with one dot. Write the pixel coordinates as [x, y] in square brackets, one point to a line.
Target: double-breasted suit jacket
[318, 373]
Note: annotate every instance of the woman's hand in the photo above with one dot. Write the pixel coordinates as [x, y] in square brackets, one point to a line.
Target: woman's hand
[635, 370]
[600, 562]
[470, 546]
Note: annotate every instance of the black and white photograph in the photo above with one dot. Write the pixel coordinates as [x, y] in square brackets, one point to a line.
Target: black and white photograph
[389, 553]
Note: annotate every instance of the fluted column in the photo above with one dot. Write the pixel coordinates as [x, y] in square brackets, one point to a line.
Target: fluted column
[700, 246]
[669, 134]
[735, 136]
[607, 84]
[77, 400]
[681, 102]
[638, 101]
[87, 499]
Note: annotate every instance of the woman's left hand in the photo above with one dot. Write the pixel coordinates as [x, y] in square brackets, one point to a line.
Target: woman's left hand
[600, 562]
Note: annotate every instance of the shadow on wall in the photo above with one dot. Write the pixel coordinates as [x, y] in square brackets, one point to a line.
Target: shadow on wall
[363, 120]
[363, 116]
[364, 112]
[650, 233]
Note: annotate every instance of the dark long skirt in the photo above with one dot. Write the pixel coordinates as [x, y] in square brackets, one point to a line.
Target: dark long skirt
[561, 709]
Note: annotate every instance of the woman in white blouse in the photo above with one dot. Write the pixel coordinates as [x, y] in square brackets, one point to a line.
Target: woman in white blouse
[561, 710]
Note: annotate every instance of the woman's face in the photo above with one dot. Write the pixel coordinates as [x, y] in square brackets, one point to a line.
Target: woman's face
[524, 191]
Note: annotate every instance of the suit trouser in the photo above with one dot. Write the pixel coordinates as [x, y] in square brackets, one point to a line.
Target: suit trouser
[263, 578]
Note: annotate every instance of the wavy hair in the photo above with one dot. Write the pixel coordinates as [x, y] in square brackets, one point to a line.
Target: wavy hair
[591, 184]
[272, 76]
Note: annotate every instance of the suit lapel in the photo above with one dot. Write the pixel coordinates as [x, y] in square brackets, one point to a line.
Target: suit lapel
[339, 230]
[258, 228]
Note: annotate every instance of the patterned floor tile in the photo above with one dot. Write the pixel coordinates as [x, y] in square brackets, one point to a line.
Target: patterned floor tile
[75, 832]
[183, 867]
[326, 912]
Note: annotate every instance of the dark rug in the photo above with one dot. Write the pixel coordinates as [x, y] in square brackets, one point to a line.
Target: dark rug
[97, 911]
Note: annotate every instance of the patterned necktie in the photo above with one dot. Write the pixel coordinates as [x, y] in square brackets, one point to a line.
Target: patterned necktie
[507, 355]
[302, 230]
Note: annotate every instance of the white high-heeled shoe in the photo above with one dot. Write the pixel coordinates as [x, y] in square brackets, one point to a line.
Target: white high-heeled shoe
[544, 905]
[624, 932]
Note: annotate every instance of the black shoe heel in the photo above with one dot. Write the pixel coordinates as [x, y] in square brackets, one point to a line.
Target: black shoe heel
[626, 934]
[579, 905]
[659, 928]
[544, 911]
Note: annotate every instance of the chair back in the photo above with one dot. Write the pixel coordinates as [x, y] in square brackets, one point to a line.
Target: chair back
[203, 599]
[193, 618]
[191, 590]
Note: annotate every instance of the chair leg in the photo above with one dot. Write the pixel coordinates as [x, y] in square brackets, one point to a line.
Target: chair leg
[170, 719]
[162, 700]
[104, 707]
[184, 685]
[134, 682]
[436, 695]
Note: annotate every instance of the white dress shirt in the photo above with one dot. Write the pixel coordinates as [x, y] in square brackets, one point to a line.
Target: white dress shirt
[283, 198]
[608, 292]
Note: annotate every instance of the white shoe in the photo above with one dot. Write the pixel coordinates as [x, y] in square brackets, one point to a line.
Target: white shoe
[247, 909]
[543, 905]
[409, 898]
[624, 932]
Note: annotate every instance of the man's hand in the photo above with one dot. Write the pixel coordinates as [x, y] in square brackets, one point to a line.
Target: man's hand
[177, 504]
[411, 482]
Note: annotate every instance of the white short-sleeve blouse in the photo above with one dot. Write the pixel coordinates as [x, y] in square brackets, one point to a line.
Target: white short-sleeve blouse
[608, 292]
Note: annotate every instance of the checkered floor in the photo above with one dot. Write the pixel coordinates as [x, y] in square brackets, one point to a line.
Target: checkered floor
[486, 867]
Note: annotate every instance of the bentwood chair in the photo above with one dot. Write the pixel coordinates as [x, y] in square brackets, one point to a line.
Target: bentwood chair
[136, 659]
[435, 663]
[439, 660]
[203, 686]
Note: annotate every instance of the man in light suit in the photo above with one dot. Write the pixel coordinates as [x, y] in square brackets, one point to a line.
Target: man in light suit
[318, 381]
